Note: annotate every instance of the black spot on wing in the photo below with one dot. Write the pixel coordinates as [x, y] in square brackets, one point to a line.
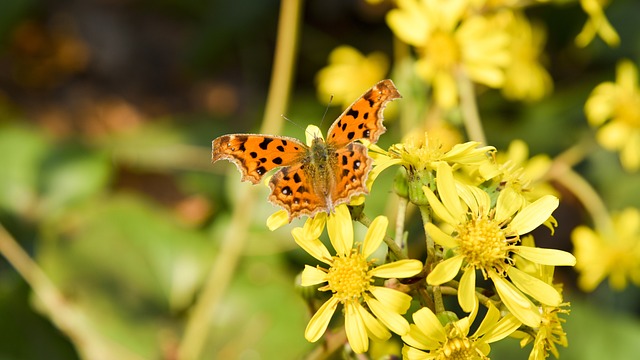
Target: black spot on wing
[261, 170]
[280, 148]
[265, 143]
[253, 154]
[353, 113]
[277, 161]
[286, 191]
[296, 178]
[351, 135]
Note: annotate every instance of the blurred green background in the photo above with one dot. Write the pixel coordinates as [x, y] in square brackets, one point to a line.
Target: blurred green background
[107, 112]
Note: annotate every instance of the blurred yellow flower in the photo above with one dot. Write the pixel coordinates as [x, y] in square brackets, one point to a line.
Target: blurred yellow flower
[485, 238]
[619, 103]
[448, 42]
[350, 276]
[596, 24]
[615, 255]
[349, 74]
[429, 339]
[525, 77]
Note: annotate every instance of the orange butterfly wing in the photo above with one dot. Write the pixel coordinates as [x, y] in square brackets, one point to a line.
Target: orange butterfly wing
[363, 119]
[255, 155]
[351, 171]
[293, 189]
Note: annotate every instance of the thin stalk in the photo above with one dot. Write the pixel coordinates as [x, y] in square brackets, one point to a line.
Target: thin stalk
[223, 268]
[469, 109]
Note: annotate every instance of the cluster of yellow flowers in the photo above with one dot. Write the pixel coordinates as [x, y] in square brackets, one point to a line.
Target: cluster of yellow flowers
[475, 211]
[478, 206]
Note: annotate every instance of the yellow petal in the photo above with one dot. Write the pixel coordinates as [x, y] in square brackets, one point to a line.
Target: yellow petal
[447, 190]
[534, 287]
[521, 307]
[394, 321]
[376, 232]
[312, 276]
[467, 289]
[440, 236]
[312, 246]
[490, 320]
[313, 226]
[355, 328]
[277, 220]
[429, 325]
[410, 353]
[312, 132]
[534, 214]
[546, 256]
[445, 271]
[320, 320]
[375, 329]
[505, 327]
[394, 299]
[509, 201]
[340, 230]
[438, 208]
[398, 269]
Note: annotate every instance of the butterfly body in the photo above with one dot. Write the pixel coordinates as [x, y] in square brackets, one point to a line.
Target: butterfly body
[318, 177]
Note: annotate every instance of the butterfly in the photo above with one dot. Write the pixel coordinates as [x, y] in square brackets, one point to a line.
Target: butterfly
[315, 178]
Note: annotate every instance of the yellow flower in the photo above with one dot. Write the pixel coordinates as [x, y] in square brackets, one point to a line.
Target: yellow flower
[429, 339]
[350, 278]
[525, 77]
[596, 24]
[448, 42]
[349, 74]
[485, 238]
[615, 255]
[619, 103]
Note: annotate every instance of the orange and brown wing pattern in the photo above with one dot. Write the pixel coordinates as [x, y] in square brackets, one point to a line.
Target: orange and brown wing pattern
[255, 155]
[363, 119]
[351, 170]
[292, 188]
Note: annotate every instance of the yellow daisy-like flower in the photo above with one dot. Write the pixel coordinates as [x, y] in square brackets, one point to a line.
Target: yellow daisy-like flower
[615, 255]
[615, 107]
[525, 77]
[485, 238]
[349, 74]
[596, 24]
[424, 153]
[350, 278]
[448, 41]
[429, 339]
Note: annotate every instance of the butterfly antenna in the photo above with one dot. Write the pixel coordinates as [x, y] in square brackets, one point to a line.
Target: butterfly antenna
[326, 110]
[291, 121]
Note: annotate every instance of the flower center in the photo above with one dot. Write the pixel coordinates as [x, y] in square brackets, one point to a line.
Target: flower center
[457, 349]
[443, 50]
[348, 277]
[483, 244]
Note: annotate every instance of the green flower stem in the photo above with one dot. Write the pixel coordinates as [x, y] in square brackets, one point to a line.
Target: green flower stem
[67, 318]
[400, 238]
[393, 247]
[431, 245]
[437, 299]
[222, 270]
[469, 109]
